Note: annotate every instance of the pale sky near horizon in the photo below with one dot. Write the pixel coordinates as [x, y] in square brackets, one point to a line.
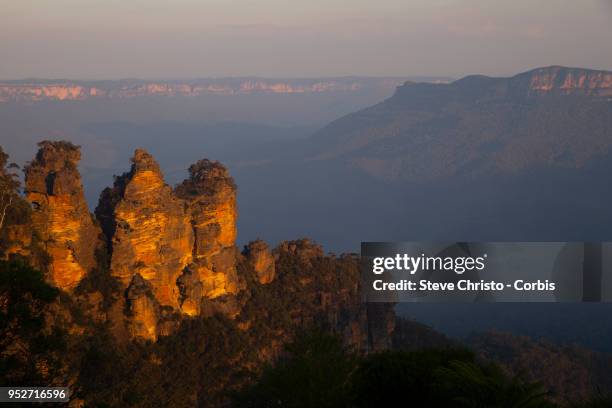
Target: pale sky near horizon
[109, 39]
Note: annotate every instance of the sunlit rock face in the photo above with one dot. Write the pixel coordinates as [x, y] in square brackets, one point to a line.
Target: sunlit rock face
[569, 81]
[45, 90]
[259, 256]
[142, 308]
[178, 245]
[60, 215]
[171, 254]
[210, 194]
[148, 229]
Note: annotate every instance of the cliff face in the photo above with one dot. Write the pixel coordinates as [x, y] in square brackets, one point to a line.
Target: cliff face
[539, 82]
[568, 81]
[21, 91]
[172, 256]
[173, 253]
[210, 195]
[310, 288]
[60, 215]
[179, 246]
[143, 309]
[147, 229]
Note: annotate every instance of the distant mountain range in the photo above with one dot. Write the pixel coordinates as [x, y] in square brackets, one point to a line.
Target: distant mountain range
[33, 90]
[525, 158]
[553, 116]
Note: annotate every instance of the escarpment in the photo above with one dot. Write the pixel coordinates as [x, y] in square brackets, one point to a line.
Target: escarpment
[157, 258]
[567, 81]
[60, 216]
[310, 288]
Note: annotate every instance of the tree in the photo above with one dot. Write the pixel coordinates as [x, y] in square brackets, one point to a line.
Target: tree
[384, 378]
[29, 348]
[472, 385]
[315, 372]
[9, 186]
[599, 400]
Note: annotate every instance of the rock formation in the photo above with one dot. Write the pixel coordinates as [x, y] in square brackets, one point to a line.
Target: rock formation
[304, 249]
[210, 194]
[147, 229]
[143, 309]
[170, 248]
[325, 289]
[259, 256]
[568, 81]
[60, 215]
[172, 255]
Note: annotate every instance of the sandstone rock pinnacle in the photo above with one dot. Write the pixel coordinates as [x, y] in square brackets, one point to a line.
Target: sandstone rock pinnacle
[60, 213]
[179, 244]
[147, 228]
[210, 194]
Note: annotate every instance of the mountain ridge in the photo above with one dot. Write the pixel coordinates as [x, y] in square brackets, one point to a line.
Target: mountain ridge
[547, 116]
[543, 80]
[36, 90]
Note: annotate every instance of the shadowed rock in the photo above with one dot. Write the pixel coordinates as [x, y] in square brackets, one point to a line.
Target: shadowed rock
[259, 256]
[143, 309]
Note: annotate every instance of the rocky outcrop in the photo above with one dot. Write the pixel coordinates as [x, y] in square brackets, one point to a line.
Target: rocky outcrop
[172, 255]
[143, 309]
[324, 290]
[60, 214]
[179, 244]
[147, 228]
[259, 256]
[210, 194]
[190, 293]
[568, 81]
[303, 249]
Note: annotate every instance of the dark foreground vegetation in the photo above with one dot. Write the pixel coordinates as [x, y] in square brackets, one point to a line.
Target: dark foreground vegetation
[319, 371]
[208, 363]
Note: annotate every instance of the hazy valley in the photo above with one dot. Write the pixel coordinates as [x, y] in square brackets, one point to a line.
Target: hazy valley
[525, 158]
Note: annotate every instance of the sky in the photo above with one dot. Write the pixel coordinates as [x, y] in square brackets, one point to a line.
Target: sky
[110, 39]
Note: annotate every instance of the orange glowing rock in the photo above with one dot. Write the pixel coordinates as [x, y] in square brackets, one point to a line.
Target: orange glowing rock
[151, 231]
[210, 194]
[60, 214]
[179, 244]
